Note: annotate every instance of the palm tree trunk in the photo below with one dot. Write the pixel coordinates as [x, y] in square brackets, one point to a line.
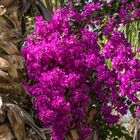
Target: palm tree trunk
[137, 129]
[15, 122]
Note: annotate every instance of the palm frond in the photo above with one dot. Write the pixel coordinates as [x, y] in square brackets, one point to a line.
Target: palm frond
[132, 32]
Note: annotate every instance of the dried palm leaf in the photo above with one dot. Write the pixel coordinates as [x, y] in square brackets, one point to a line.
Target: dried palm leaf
[8, 47]
[8, 3]
[2, 10]
[4, 77]
[49, 5]
[18, 118]
[6, 132]
[43, 10]
[17, 124]
[14, 120]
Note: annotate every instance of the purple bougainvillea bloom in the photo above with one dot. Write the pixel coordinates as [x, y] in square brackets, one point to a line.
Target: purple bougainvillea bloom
[66, 66]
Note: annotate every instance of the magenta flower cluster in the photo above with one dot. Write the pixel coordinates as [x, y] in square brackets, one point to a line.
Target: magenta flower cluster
[67, 66]
[125, 65]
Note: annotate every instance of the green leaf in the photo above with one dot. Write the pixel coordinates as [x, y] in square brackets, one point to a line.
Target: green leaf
[109, 64]
[132, 109]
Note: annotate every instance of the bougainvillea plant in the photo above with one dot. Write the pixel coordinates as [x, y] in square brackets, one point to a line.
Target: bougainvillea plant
[81, 66]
